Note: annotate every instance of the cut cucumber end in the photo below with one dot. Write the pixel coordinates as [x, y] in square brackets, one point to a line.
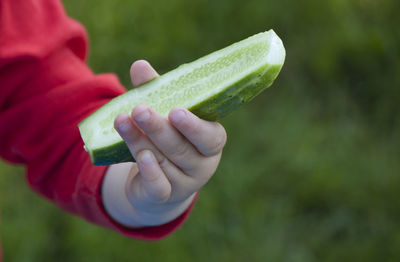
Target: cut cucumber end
[276, 53]
[211, 87]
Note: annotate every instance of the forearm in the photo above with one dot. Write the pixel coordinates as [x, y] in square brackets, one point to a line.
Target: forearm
[118, 206]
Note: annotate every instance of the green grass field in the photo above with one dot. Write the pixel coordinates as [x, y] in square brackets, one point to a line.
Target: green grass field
[311, 170]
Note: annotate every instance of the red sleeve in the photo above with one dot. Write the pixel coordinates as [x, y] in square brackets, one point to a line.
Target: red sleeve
[46, 89]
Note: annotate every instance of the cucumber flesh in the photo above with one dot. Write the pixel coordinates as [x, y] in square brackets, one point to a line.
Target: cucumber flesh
[211, 87]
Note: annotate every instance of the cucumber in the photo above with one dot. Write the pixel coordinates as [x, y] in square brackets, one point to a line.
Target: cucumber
[210, 87]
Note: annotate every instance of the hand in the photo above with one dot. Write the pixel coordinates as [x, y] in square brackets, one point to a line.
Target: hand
[175, 158]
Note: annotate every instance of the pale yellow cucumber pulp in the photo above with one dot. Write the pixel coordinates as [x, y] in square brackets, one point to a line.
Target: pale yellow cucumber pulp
[210, 87]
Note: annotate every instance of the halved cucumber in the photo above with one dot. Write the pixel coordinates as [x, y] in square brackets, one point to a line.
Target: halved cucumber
[210, 87]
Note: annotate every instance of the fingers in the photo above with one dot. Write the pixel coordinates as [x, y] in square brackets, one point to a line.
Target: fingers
[175, 156]
[137, 142]
[141, 72]
[209, 138]
[153, 185]
[134, 138]
[167, 139]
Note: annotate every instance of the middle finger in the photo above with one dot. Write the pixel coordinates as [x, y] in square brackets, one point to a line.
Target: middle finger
[167, 139]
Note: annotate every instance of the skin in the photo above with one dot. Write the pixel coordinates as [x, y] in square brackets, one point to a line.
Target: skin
[176, 156]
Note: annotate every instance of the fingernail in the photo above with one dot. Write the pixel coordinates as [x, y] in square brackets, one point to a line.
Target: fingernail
[178, 116]
[146, 158]
[124, 126]
[142, 116]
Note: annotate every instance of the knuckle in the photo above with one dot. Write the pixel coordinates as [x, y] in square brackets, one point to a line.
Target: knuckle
[218, 142]
[181, 150]
[159, 195]
[224, 136]
[204, 174]
[155, 127]
[163, 163]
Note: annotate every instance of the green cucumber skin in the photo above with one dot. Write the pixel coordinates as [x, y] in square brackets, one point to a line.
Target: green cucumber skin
[210, 109]
[113, 154]
[235, 96]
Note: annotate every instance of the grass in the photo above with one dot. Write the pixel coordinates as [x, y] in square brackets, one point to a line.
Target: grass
[310, 171]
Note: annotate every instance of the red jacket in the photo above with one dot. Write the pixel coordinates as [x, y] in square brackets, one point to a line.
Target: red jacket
[46, 89]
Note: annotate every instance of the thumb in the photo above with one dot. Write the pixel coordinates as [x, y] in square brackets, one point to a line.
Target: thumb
[150, 186]
[142, 72]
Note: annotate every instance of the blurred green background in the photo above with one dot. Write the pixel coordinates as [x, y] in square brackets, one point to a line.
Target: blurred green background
[311, 168]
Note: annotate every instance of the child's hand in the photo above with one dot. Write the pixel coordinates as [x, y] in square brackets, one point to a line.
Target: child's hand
[175, 158]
